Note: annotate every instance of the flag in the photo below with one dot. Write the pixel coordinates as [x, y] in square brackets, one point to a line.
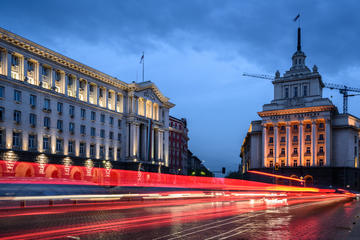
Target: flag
[142, 58]
[296, 18]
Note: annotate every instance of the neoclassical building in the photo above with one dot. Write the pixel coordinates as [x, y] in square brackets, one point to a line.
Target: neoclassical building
[300, 128]
[55, 109]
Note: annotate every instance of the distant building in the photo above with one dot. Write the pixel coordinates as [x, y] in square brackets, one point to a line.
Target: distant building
[56, 110]
[178, 145]
[301, 133]
[196, 166]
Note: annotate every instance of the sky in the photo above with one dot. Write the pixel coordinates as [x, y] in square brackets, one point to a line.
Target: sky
[196, 52]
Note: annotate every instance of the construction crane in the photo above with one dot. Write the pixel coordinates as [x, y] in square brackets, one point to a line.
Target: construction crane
[343, 89]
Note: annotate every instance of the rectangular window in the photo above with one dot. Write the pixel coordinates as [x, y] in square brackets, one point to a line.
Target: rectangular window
[119, 137]
[59, 125]
[282, 139]
[295, 127]
[16, 140]
[83, 113]
[30, 66]
[2, 92]
[82, 129]
[271, 164]
[321, 162]
[283, 163]
[2, 114]
[17, 96]
[71, 147]
[271, 139]
[307, 163]
[60, 107]
[295, 151]
[282, 151]
[102, 152]
[32, 120]
[102, 133]
[111, 153]
[111, 135]
[93, 116]
[17, 117]
[32, 142]
[57, 76]
[295, 163]
[46, 122]
[111, 120]
[92, 150]
[305, 91]
[82, 149]
[271, 151]
[46, 104]
[295, 91]
[71, 111]
[32, 100]
[118, 153]
[308, 138]
[72, 127]
[295, 138]
[321, 149]
[308, 150]
[46, 143]
[102, 118]
[321, 137]
[92, 132]
[286, 92]
[14, 60]
[59, 145]
[119, 123]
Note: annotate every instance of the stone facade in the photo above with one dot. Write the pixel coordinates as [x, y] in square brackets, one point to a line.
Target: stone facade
[55, 106]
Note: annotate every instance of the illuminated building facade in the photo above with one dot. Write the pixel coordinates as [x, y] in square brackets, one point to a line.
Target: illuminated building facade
[302, 129]
[64, 111]
[178, 145]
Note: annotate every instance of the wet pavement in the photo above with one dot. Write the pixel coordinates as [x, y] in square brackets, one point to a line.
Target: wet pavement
[187, 219]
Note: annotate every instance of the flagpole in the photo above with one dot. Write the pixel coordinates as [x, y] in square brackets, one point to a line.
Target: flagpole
[143, 62]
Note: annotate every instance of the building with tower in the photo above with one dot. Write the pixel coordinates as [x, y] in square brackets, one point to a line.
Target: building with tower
[301, 133]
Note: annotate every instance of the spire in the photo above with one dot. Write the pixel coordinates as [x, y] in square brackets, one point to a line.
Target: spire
[299, 40]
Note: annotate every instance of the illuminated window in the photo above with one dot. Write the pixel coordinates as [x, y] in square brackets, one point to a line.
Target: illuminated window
[71, 146]
[295, 164]
[148, 109]
[17, 140]
[46, 143]
[308, 163]
[141, 110]
[82, 149]
[92, 150]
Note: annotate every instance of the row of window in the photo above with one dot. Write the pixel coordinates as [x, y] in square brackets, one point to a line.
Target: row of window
[296, 92]
[295, 151]
[295, 138]
[295, 163]
[295, 127]
[59, 145]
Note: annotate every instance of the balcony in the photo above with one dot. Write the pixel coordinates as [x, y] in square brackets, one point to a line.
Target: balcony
[321, 153]
[270, 144]
[294, 154]
[321, 129]
[307, 130]
[282, 155]
[270, 155]
[295, 143]
[307, 154]
[307, 142]
[321, 141]
[282, 143]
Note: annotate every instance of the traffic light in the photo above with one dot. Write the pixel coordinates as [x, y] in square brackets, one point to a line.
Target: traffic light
[223, 170]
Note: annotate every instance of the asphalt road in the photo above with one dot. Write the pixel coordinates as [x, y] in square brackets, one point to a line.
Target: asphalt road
[218, 218]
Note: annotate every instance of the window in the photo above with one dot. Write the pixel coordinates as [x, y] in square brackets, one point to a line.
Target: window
[308, 138]
[93, 116]
[82, 149]
[2, 114]
[57, 76]
[59, 125]
[45, 71]
[282, 128]
[71, 111]
[32, 100]
[305, 91]
[83, 113]
[111, 120]
[72, 127]
[321, 149]
[92, 150]
[71, 146]
[295, 91]
[14, 60]
[46, 143]
[308, 150]
[271, 128]
[46, 122]
[32, 120]
[295, 127]
[111, 153]
[17, 117]
[2, 92]
[92, 132]
[271, 164]
[111, 135]
[118, 154]
[60, 107]
[59, 145]
[355, 139]
[321, 137]
[295, 163]
[286, 92]
[271, 139]
[308, 126]
[271, 151]
[308, 163]
[282, 139]
[2, 137]
[355, 151]
[119, 137]
[46, 104]
[321, 162]
[17, 96]
[282, 151]
[295, 151]
[82, 129]
[119, 123]
[102, 118]
[32, 142]
[321, 125]
[295, 138]
[102, 152]
[16, 139]
[30, 66]
[283, 163]
[102, 133]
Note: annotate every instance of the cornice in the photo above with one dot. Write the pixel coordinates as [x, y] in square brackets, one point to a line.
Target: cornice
[296, 110]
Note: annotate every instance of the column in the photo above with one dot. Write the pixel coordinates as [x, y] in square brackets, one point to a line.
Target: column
[106, 96]
[25, 68]
[66, 82]
[52, 75]
[9, 56]
[144, 107]
[25, 140]
[288, 140]
[97, 94]
[144, 142]
[161, 137]
[301, 144]
[133, 104]
[40, 74]
[264, 148]
[137, 132]
[87, 92]
[115, 101]
[327, 143]
[166, 147]
[313, 143]
[131, 142]
[77, 86]
[275, 142]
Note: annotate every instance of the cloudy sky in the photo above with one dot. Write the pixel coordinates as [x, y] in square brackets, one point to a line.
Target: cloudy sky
[196, 52]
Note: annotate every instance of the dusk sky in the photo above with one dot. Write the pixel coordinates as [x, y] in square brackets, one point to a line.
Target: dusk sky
[197, 51]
